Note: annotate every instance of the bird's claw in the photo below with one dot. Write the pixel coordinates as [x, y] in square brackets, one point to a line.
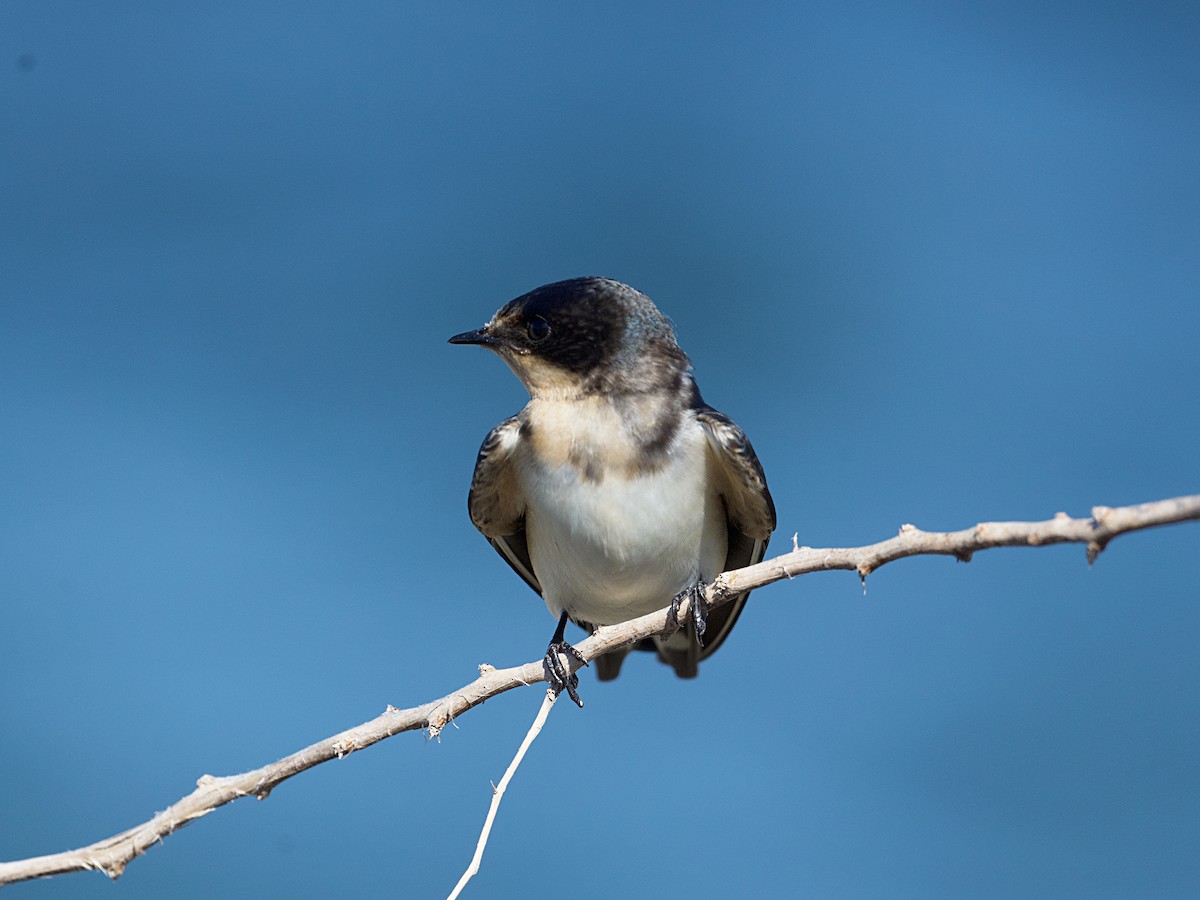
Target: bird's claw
[696, 611]
[559, 676]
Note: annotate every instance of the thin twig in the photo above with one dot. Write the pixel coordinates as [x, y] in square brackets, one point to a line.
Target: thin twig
[498, 792]
[111, 855]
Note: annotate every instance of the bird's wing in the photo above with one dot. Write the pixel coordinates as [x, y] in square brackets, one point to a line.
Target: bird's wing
[749, 512]
[495, 502]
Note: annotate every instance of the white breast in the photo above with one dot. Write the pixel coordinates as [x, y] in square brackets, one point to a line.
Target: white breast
[611, 549]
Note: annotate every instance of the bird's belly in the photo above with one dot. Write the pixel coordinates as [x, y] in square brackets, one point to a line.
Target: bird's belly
[610, 550]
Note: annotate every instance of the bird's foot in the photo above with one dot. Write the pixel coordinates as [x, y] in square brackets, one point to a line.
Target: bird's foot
[558, 674]
[696, 610]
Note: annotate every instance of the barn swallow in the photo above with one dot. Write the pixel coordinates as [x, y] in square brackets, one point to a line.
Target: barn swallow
[617, 490]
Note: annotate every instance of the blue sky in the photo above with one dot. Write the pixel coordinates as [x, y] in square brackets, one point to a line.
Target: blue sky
[941, 262]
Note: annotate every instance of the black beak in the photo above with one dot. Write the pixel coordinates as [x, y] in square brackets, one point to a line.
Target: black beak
[478, 336]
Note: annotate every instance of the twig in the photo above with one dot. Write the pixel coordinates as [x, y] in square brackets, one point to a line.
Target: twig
[498, 792]
[1104, 524]
[111, 855]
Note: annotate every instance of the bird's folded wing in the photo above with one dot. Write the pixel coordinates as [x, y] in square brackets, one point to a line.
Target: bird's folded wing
[749, 511]
[495, 502]
[742, 482]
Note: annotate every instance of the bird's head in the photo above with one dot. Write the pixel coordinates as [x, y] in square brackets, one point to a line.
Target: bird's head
[577, 337]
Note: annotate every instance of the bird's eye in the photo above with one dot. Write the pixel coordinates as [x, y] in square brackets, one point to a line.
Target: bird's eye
[538, 329]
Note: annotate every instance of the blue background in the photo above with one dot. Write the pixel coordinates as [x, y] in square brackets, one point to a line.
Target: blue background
[940, 260]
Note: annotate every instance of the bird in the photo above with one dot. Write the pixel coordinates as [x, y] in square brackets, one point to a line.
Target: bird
[616, 490]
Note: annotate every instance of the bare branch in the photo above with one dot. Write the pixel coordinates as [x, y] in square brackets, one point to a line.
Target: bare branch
[1104, 524]
[111, 855]
[498, 792]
